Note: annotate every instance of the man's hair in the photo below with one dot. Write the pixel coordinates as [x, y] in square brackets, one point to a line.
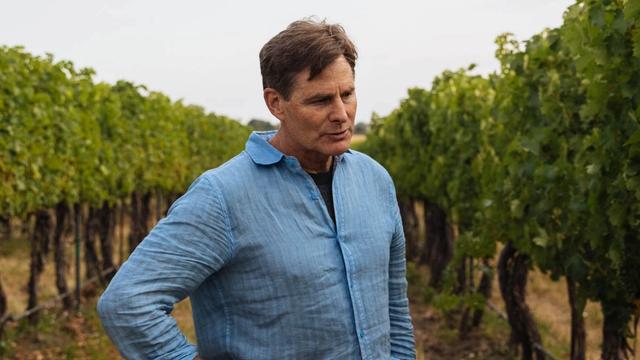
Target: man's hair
[303, 44]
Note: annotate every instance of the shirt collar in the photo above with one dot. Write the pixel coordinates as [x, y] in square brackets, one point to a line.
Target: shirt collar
[263, 153]
[259, 149]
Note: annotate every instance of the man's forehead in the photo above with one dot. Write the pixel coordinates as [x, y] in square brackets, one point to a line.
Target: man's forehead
[324, 87]
[323, 83]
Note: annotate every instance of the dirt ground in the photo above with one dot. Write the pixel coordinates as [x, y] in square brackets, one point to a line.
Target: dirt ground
[80, 336]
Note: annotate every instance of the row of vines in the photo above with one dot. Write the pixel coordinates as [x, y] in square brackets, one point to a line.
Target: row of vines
[540, 159]
[81, 155]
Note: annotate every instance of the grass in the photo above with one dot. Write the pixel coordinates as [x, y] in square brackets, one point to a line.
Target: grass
[61, 335]
[548, 302]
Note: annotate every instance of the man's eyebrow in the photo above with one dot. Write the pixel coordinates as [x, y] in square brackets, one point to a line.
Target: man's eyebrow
[320, 96]
[328, 95]
[350, 89]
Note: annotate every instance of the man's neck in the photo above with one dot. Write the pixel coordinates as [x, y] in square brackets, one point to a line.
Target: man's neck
[311, 163]
[324, 169]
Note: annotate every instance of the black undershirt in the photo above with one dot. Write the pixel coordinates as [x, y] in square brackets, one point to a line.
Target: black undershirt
[323, 181]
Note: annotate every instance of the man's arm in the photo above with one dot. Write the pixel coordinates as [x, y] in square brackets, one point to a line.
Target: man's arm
[402, 342]
[181, 251]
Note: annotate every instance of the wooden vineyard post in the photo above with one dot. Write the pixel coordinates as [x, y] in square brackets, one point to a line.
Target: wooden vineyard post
[78, 211]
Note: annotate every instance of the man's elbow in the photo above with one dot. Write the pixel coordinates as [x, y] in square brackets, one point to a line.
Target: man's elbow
[107, 306]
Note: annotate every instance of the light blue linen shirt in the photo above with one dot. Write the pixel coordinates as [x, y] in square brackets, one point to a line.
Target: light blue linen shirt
[269, 274]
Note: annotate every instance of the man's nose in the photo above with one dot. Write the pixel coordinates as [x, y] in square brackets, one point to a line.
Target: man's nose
[339, 110]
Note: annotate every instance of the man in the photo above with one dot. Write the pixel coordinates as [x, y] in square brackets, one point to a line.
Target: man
[291, 250]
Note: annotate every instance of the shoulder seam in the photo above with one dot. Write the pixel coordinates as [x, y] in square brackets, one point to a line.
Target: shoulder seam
[223, 205]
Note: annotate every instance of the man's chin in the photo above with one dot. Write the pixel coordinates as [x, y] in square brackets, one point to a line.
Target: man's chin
[340, 148]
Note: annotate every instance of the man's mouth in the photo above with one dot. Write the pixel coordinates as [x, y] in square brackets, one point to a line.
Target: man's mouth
[339, 136]
[339, 132]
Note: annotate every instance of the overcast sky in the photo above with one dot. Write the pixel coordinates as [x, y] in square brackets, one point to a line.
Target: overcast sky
[206, 52]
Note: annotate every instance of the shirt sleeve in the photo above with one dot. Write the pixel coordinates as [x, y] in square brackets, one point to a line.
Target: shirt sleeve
[180, 252]
[402, 341]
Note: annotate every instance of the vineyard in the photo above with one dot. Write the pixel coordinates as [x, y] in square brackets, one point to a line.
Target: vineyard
[533, 169]
[84, 158]
[540, 160]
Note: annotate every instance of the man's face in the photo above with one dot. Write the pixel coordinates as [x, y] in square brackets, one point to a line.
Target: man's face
[318, 119]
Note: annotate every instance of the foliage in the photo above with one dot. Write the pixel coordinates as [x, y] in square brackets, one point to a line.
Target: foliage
[65, 138]
[544, 153]
[261, 125]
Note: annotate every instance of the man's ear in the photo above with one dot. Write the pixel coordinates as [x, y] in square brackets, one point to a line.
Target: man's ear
[274, 101]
